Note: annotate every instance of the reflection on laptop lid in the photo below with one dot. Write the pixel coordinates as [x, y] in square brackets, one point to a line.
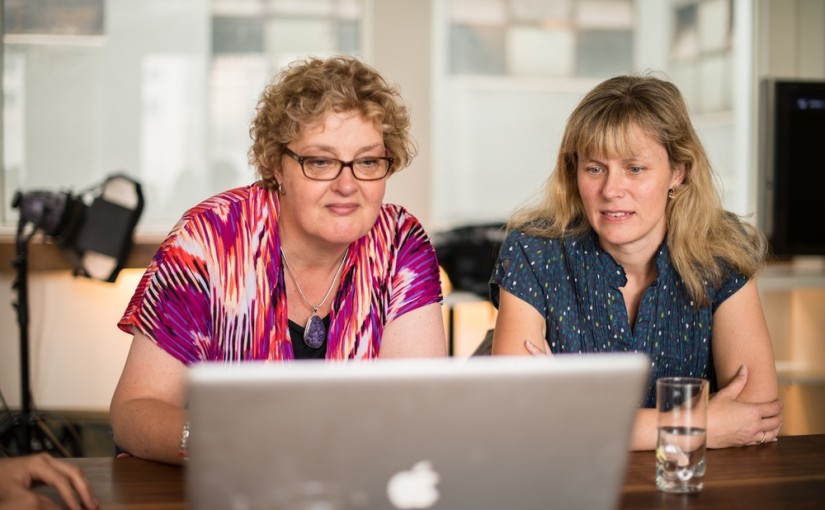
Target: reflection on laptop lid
[500, 432]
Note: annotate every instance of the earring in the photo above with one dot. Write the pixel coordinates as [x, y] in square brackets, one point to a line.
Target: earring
[281, 189]
[671, 194]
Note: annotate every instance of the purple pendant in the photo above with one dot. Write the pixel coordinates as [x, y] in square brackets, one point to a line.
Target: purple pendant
[314, 332]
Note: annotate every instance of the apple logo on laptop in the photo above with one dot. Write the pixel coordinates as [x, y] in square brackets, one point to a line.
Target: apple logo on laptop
[414, 488]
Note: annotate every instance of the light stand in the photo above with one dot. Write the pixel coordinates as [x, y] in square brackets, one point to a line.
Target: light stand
[97, 238]
[26, 431]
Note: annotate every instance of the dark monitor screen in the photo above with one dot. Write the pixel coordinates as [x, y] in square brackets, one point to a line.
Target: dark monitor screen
[794, 176]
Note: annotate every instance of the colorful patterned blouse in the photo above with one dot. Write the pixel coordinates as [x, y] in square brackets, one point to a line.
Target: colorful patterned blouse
[215, 289]
[576, 286]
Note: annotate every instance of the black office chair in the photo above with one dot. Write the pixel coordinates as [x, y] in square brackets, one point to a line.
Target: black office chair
[485, 348]
[467, 255]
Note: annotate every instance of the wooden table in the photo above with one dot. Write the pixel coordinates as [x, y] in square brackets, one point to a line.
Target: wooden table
[789, 474]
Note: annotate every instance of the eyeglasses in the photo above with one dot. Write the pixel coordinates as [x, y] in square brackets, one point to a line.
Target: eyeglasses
[319, 168]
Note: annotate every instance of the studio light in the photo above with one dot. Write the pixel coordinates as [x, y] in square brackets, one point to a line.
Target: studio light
[94, 230]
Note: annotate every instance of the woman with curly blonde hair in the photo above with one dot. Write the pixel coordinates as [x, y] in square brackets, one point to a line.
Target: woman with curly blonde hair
[308, 262]
[630, 249]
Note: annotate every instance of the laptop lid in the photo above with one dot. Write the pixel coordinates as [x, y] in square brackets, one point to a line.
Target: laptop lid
[492, 432]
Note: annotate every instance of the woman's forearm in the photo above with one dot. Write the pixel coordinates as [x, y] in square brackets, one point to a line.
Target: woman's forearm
[149, 428]
[644, 430]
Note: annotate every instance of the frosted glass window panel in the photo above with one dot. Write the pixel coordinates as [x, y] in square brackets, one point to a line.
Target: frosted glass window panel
[286, 39]
[313, 7]
[349, 37]
[717, 135]
[236, 84]
[479, 12]
[715, 81]
[541, 10]
[139, 98]
[498, 147]
[237, 7]
[604, 14]
[173, 152]
[57, 141]
[714, 24]
[476, 50]
[604, 53]
[685, 77]
[342, 9]
[48, 17]
[349, 9]
[14, 121]
[338, 8]
[236, 34]
[535, 51]
[686, 34]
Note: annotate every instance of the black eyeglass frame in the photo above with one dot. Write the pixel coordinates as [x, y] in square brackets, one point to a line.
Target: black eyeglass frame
[343, 164]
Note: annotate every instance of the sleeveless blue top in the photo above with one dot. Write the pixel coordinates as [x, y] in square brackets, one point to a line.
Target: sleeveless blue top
[575, 285]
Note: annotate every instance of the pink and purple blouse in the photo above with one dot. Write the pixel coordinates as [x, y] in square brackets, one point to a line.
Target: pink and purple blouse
[215, 291]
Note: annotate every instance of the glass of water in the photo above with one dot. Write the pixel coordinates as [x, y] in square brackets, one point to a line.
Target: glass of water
[681, 405]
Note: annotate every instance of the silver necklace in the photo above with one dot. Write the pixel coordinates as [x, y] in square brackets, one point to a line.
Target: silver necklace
[314, 332]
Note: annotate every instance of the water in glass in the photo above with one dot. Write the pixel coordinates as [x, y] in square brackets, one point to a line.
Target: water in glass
[680, 459]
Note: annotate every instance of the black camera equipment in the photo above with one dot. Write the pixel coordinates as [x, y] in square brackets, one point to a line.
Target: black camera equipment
[94, 230]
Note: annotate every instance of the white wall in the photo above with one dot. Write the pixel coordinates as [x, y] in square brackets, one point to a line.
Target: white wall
[392, 26]
[76, 351]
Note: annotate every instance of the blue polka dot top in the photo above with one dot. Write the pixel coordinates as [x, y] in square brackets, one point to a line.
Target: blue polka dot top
[575, 285]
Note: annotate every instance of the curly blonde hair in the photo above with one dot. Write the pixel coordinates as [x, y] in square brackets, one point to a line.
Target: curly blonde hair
[306, 90]
[704, 240]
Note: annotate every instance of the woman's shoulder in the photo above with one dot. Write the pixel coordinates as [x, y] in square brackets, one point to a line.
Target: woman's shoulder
[531, 239]
[396, 212]
[394, 219]
[229, 199]
[396, 231]
[237, 206]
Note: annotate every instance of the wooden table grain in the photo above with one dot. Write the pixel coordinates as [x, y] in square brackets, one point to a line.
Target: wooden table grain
[788, 474]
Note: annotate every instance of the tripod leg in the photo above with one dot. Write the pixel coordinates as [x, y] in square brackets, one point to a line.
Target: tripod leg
[47, 432]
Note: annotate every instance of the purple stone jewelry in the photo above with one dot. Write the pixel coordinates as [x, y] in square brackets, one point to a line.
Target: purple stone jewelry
[314, 332]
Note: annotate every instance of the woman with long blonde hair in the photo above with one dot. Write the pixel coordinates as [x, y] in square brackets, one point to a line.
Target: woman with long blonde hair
[630, 249]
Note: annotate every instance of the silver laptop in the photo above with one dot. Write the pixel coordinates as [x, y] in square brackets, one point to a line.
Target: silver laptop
[483, 433]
